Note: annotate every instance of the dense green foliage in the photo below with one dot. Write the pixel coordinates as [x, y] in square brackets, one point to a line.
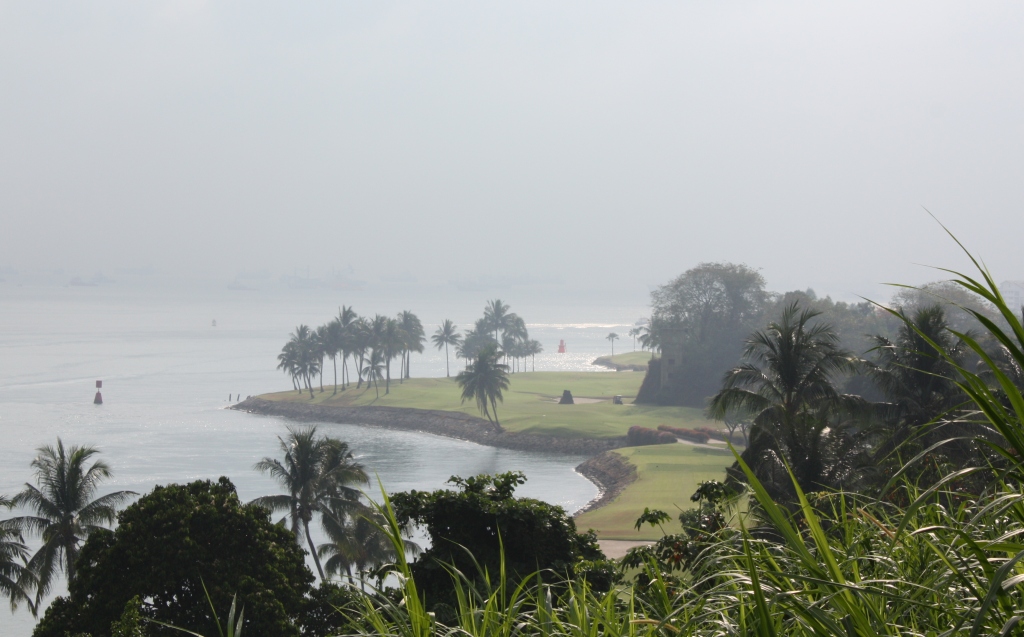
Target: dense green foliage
[169, 544]
[65, 513]
[484, 380]
[472, 528]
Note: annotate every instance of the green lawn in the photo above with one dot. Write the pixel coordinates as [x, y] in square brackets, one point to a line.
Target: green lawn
[667, 475]
[531, 403]
[630, 358]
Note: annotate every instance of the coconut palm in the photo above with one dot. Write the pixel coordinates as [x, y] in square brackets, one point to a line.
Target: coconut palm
[787, 385]
[288, 362]
[447, 334]
[361, 334]
[414, 338]
[346, 319]
[65, 512]
[356, 539]
[373, 369]
[611, 338]
[496, 317]
[316, 473]
[392, 343]
[919, 383]
[13, 575]
[633, 333]
[484, 380]
[534, 347]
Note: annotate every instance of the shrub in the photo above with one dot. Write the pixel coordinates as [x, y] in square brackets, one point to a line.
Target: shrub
[692, 435]
[640, 436]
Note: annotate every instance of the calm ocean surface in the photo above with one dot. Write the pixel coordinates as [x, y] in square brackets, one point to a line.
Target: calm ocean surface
[167, 374]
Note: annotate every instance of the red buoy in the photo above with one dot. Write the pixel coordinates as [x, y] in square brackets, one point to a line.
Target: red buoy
[561, 346]
[98, 400]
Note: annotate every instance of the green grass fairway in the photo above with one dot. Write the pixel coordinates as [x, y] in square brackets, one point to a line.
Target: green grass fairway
[667, 475]
[630, 358]
[530, 404]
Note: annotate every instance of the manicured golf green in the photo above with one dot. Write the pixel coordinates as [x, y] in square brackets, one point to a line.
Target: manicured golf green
[530, 405]
[667, 475]
[629, 358]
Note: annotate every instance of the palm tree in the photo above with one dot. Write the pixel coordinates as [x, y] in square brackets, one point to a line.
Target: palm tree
[611, 339]
[321, 343]
[305, 355]
[356, 539]
[787, 385]
[347, 318]
[316, 473]
[534, 347]
[65, 513]
[361, 334]
[392, 342]
[496, 317]
[13, 552]
[414, 338]
[288, 362]
[332, 347]
[447, 334]
[633, 333]
[374, 369]
[919, 384]
[484, 380]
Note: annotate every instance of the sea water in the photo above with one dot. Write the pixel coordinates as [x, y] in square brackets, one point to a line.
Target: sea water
[168, 373]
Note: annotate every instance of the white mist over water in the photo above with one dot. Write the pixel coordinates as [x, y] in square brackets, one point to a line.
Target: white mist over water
[168, 372]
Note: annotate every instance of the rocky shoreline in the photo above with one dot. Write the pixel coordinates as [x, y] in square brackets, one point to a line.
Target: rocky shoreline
[609, 471]
[606, 361]
[443, 423]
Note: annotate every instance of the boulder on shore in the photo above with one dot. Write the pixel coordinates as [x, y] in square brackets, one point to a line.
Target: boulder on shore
[566, 398]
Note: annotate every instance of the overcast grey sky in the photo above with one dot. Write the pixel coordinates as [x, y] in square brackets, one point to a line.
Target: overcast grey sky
[594, 143]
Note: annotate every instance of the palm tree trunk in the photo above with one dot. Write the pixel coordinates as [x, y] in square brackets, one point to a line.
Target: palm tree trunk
[312, 550]
[387, 382]
[447, 372]
[334, 359]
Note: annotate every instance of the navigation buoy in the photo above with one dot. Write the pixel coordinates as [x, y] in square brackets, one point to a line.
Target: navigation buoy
[561, 346]
[98, 400]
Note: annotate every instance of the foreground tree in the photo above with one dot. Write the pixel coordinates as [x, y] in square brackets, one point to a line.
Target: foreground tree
[171, 544]
[413, 338]
[470, 528]
[447, 334]
[65, 511]
[787, 385]
[484, 380]
[316, 472]
[13, 553]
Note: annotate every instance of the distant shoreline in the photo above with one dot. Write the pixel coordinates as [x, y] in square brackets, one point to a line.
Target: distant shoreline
[609, 477]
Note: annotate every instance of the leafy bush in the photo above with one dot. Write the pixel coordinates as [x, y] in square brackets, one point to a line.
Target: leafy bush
[639, 436]
[692, 435]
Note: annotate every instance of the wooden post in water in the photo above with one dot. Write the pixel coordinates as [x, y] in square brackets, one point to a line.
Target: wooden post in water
[98, 400]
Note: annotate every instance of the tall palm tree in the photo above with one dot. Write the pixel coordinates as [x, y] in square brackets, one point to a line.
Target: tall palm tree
[332, 347]
[918, 383]
[611, 339]
[447, 334]
[496, 317]
[305, 354]
[14, 577]
[347, 318]
[361, 334]
[414, 338]
[373, 369]
[64, 508]
[484, 380]
[633, 333]
[788, 385]
[288, 362]
[316, 473]
[392, 342]
[321, 344]
[534, 347]
[356, 539]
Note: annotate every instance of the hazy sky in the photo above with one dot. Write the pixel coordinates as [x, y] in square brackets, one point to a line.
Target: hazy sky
[598, 144]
